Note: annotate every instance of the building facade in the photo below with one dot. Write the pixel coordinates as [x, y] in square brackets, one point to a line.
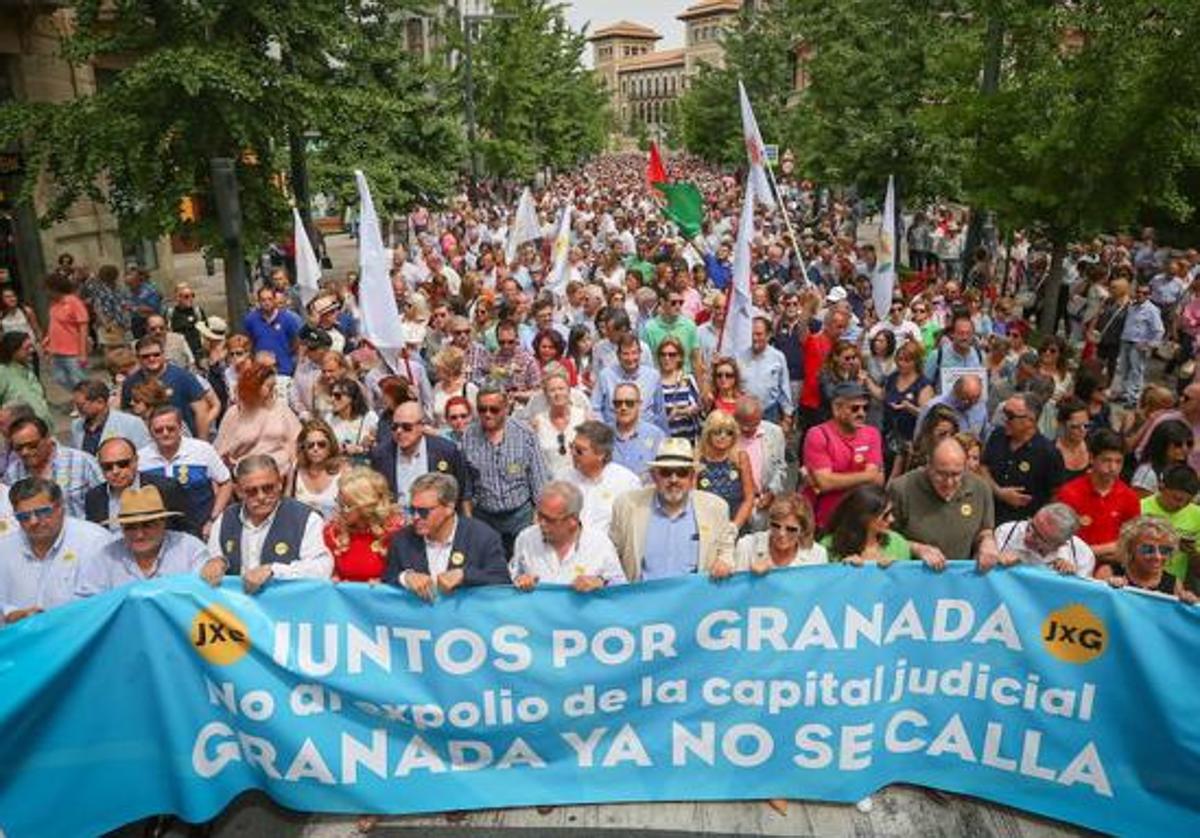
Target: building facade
[644, 82]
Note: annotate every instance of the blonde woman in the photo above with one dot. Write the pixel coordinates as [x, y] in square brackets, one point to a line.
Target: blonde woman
[724, 469]
[450, 365]
[362, 526]
[319, 467]
[789, 540]
[1144, 549]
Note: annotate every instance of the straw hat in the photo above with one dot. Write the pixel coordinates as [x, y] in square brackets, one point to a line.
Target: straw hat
[674, 453]
[144, 504]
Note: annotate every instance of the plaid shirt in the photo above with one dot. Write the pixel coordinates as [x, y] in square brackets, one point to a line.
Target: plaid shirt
[515, 371]
[508, 475]
[73, 470]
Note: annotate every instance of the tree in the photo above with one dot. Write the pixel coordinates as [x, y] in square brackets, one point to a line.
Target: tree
[230, 78]
[1094, 121]
[535, 103]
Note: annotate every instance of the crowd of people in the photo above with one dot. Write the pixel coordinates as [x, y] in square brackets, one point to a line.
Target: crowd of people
[589, 426]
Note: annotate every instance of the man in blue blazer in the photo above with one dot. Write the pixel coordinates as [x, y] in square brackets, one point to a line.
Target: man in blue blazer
[441, 550]
[408, 452]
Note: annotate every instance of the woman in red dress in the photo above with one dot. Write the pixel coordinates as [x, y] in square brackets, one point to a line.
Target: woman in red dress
[362, 526]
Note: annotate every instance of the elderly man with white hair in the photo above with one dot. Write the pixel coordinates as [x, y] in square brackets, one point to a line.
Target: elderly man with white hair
[560, 549]
[1047, 539]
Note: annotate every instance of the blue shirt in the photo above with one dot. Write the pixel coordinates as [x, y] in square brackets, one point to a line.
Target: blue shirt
[638, 450]
[767, 377]
[719, 273]
[672, 544]
[113, 566]
[649, 384]
[1143, 324]
[277, 336]
[26, 581]
[182, 388]
[973, 419]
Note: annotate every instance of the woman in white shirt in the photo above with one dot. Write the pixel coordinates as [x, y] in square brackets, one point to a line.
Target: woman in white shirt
[319, 467]
[788, 542]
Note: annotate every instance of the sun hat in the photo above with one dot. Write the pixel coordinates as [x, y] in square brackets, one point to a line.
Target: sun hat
[674, 453]
[139, 505]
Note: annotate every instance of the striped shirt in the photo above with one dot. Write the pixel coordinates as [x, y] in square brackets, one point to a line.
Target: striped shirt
[507, 475]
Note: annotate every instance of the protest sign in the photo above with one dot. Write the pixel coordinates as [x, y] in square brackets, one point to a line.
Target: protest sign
[1052, 694]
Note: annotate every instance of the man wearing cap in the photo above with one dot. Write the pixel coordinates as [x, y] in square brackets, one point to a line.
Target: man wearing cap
[98, 421]
[145, 550]
[408, 452]
[842, 453]
[560, 550]
[440, 550]
[671, 528]
[324, 309]
[266, 536]
[119, 464]
[39, 563]
[274, 328]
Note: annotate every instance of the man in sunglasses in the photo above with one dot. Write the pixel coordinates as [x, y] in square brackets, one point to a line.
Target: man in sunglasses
[39, 563]
[842, 453]
[146, 549]
[266, 536]
[671, 528]
[408, 452]
[599, 479]
[38, 454]
[1024, 468]
[636, 440]
[440, 550]
[184, 390]
[119, 464]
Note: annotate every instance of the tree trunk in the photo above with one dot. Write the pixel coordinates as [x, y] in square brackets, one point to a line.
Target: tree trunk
[1049, 293]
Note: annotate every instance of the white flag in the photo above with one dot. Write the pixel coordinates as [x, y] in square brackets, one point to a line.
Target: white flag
[735, 336]
[562, 249]
[883, 284]
[308, 267]
[525, 226]
[380, 316]
[756, 152]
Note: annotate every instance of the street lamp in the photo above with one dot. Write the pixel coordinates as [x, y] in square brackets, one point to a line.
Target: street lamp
[467, 22]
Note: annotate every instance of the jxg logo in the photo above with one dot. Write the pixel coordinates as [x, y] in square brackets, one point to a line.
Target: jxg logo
[219, 636]
[1074, 634]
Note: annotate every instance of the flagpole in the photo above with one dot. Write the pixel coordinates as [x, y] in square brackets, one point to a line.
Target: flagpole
[788, 222]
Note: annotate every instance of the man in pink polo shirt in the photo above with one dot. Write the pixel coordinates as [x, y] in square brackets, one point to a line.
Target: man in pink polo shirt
[842, 453]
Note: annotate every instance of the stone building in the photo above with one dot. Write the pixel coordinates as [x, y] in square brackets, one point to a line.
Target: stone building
[644, 82]
[32, 70]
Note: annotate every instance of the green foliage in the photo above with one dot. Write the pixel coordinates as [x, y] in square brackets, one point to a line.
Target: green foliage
[232, 78]
[535, 104]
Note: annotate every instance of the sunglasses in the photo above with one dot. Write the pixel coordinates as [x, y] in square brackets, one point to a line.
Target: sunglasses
[339, 395]
[421, 512]
[507, 342]
[790, 529]
[406, 427]
[726, 375]
[670, 353]
[724, 432]
[681, 472]
[857, 408]
[316, 443]
[114, 464]
[19, 447]
[619, 403]
[454, 417]
[238, 353]
[39, 512]
[1152, 550]
[260, 491]
[490, 410]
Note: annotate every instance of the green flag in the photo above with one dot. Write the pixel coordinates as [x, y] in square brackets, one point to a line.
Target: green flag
[685, 205]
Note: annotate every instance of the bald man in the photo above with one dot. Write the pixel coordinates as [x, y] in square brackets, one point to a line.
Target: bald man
[966, 399]
[408, 452]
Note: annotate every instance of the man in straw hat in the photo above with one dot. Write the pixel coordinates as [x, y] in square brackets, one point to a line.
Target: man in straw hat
[671, 528]
[145, 550]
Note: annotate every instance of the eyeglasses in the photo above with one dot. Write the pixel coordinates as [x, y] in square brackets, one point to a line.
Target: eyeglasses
[619, 403]
[26, 446]
[491, 409]
[421, 512]
[1148, 550]
[260, 491]
[790, 529]
[114, 464]
[148, 355]
[666, 472]
[317, 443]
[947, 476]
[39, 512]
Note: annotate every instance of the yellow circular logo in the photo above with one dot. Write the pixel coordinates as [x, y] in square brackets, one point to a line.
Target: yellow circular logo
[219, 636]
[1074, 634]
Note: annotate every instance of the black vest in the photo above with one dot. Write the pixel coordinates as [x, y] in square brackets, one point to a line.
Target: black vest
[282, 544]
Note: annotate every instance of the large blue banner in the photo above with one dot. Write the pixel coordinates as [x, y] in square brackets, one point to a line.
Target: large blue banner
[1051, 694]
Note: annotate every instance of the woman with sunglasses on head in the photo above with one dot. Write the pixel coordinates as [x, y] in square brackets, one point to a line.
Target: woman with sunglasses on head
[1073, 427]
[860, 531]
[319, 467]
[787, 542]
[554, 421]
[1144, 549]
[362, 527]
[354, 423]
[724, 468]
[681, 395]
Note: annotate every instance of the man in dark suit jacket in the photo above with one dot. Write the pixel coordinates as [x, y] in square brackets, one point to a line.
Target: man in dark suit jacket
[408, 452]
[119, 464]
[442, 549]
